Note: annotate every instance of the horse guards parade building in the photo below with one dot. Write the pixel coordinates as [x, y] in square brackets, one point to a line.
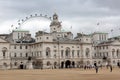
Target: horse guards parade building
[57, 49]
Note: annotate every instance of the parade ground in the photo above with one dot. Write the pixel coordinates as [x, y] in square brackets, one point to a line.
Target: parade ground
[60, 74]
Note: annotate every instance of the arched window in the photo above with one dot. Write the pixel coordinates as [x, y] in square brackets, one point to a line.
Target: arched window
[67, 52]
[87, 52]
[113, 52]
[47, 52]
[4, 50]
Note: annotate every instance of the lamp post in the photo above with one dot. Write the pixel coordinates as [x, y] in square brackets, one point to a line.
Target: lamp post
[58, 53]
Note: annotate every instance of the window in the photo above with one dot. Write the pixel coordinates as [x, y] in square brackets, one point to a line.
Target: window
[40, 53]
[40, 45]
[103, 47]
[26, 55]
[72, 46]
[32, 54]
[94, 48]
[95, 55]
[67, 52]
[47, 37]
[14, 46]
[61, 53]
[54, 46]
[20, 54]
[78, 53]
[72, 53]
[26, 47]
[99, 47]
[61, 46]
[107, 54]
[15, 55]
[87, 52]
[20, 47]
[106, 47]
[47, 52]
[113, 52]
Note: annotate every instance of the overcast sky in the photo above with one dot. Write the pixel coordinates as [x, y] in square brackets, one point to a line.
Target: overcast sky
[82, 15]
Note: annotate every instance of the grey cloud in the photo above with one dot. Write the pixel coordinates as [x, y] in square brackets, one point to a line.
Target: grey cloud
[78, 13]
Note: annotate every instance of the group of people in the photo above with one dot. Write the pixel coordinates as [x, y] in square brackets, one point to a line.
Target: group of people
[97, 67]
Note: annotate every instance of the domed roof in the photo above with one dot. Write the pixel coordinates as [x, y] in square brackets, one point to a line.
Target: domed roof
[55, 14]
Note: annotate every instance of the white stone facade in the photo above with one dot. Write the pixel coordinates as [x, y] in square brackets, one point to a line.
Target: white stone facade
[57, 49]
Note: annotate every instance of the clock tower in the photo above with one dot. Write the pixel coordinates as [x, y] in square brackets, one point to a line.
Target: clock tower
[55, 25]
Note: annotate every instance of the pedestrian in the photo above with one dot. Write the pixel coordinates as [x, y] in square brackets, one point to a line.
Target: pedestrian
[96, 68]
[118, 64]
[110, 68]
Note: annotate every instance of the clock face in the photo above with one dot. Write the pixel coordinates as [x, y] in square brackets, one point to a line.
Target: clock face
[55, 17]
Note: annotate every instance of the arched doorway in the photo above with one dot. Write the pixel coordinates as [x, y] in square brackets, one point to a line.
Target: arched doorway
[62, 64]
[21, 65]
[67, 64]
[73, 64]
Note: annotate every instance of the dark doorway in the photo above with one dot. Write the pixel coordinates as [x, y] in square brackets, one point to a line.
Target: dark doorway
[67, 64]
[21, 65]
[73, 64]
[62, 64]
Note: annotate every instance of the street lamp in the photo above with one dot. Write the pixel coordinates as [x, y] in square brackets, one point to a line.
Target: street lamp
[58, 52]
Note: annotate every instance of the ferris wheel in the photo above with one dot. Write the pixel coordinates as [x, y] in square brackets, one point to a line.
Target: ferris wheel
[21, 22]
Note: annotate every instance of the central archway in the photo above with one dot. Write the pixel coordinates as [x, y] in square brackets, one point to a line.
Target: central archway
[68, 64]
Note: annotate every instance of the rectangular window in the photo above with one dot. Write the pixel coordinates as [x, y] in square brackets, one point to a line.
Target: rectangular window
[20, 47]
[103, 47]
[14, 46]
[61, 53]
[20, 54]
[78, 53]
[26, 47]
[72, 53]
[15, 55]
[54, 46]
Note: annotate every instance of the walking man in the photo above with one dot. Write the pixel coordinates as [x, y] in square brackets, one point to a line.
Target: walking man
[110, 68]
[96, 68]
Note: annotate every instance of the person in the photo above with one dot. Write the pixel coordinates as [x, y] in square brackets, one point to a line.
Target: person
[110, 68]
[96, 68]
[118, 64]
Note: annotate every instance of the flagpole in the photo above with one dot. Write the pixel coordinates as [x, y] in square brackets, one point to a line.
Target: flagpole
[111, 33]
[98, 27]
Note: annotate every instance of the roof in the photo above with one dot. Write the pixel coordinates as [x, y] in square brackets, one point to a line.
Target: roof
[20, 30]
[99, 33]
